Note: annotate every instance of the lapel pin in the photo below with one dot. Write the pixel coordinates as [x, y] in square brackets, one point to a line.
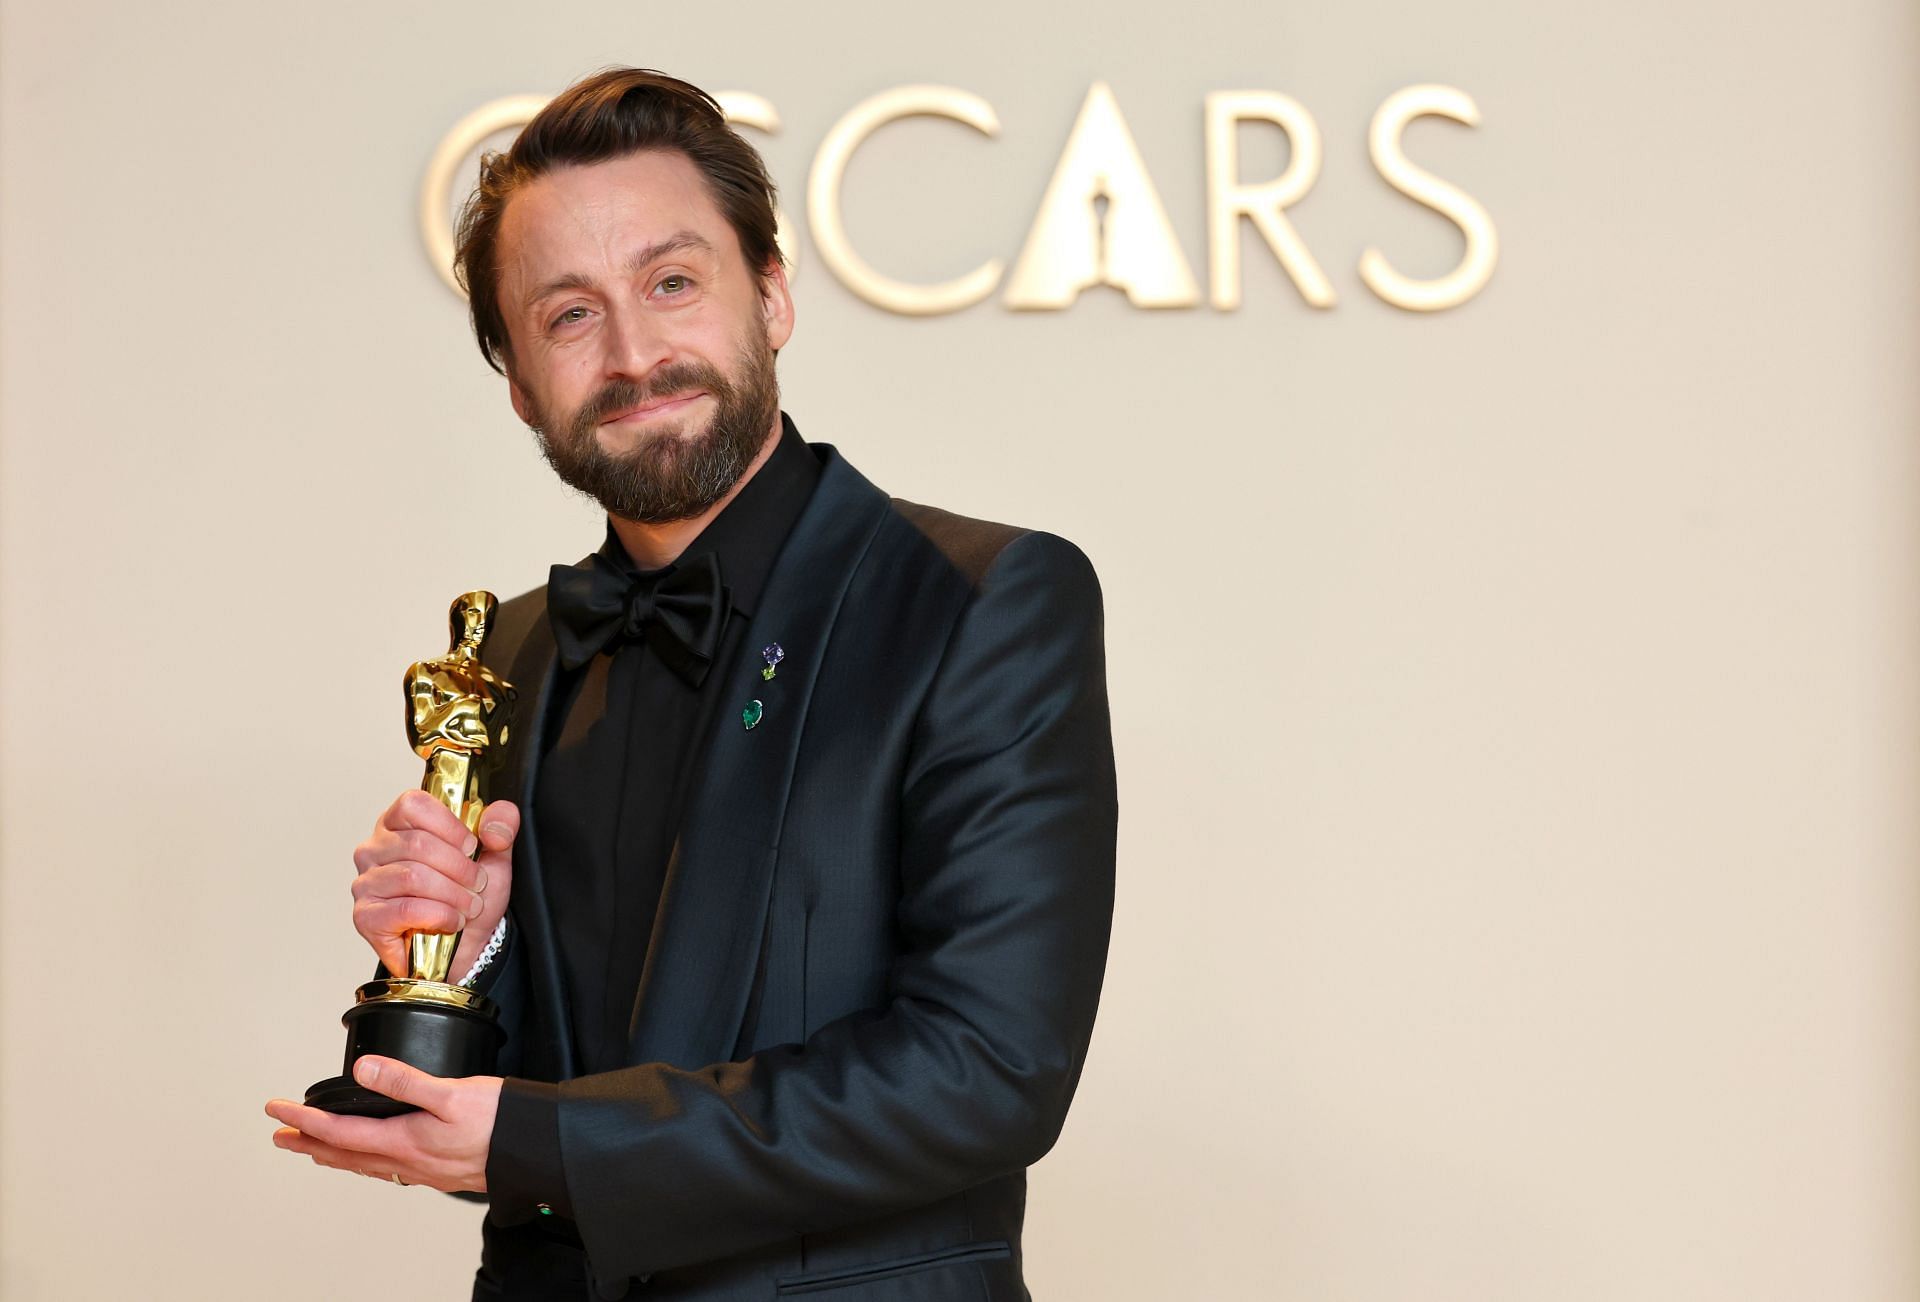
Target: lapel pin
[774, 654]
[751, 715]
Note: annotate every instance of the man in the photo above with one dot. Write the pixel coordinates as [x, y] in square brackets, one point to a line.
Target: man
[806, 845]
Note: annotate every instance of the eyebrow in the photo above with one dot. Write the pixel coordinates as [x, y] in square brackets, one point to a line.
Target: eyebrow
[678, 242]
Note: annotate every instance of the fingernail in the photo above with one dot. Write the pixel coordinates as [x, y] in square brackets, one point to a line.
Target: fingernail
[472, 844]
[480, 883]
[497, 831]
[366, 1071]
[473, 907]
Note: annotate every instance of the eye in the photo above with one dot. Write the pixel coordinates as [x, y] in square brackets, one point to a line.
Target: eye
[673, 284]
[572, 316]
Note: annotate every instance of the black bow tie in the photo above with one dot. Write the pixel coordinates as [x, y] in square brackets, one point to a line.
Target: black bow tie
[596, 604]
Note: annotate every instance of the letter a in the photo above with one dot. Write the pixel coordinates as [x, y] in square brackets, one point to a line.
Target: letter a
[1077, 240]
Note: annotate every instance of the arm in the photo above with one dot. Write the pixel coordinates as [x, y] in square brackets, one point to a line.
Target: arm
[413, 872]
[457, 719]
[1008, 822]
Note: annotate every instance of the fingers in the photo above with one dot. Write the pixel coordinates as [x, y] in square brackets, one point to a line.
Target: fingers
[411, 879]
[411, 845]
[371, 1140]
[401, 1141]
[417, 810]
[397, 1080]
[385, 925]
[395, 955]
[499, 824]
[383, 1142]
[342, 1159]
[415, 872]
[445, 1145]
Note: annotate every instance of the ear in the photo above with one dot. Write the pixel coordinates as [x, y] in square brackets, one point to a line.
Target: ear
[521, 406]
[776, 305]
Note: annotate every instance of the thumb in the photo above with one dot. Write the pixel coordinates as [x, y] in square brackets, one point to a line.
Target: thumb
[499, 824]
[396, 1080]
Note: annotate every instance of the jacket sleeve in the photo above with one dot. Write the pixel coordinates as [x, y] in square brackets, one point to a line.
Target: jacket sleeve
[1008, 813]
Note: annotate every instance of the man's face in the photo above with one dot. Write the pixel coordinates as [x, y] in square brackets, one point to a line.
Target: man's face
[641, 342]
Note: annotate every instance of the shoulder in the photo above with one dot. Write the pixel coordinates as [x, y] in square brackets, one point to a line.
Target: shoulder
[968, 545]
[515, 618]
[985, 553]
[1011, 598]
[929, 549]
[517, 614]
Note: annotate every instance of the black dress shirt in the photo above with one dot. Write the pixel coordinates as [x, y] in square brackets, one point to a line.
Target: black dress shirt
[625, 736]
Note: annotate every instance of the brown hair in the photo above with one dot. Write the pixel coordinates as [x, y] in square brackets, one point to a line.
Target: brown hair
[611, 114]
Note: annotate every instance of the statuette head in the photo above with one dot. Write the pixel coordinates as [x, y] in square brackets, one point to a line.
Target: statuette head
[469, 618]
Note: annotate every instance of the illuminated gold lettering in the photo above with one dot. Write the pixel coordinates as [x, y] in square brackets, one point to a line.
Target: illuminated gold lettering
[1264, 204]
[436, 187]
[823, 200]
[1483, 243]
[1101, 223]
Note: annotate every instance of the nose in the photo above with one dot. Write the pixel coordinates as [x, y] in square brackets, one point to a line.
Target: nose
[635, 343]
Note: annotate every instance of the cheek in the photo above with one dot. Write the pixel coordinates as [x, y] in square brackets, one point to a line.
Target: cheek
[569, 380]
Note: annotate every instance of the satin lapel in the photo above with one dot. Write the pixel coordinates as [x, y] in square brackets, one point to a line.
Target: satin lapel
[535, 670]
[705, 946]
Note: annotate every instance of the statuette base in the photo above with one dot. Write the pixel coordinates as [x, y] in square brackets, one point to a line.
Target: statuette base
[444, 1030]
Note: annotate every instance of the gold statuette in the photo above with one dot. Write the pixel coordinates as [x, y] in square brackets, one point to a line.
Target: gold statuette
[457, 712]
[457, 709]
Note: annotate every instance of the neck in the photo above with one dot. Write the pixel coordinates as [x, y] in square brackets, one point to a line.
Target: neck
[651, 546]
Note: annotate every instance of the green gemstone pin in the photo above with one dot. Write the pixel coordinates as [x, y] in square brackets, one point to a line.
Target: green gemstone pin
[751, 715]
[774, 654]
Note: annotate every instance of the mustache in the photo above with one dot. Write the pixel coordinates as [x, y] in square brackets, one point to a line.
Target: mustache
[665, 382]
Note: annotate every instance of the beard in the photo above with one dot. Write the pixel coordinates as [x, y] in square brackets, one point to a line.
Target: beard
[673, 474]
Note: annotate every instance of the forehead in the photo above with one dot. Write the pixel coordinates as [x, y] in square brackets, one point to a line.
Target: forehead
[587, 218]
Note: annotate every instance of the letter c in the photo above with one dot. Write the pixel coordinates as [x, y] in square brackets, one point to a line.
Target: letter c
[823, 200]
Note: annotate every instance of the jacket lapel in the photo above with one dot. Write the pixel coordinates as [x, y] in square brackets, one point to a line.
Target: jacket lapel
[705, 946]
[535, 671]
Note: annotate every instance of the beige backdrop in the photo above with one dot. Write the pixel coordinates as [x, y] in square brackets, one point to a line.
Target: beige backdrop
[1515, 706]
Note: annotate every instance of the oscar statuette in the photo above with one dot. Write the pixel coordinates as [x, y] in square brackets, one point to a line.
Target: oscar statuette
[457, 712]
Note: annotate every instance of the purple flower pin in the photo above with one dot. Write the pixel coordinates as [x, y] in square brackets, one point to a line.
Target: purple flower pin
[774, 654]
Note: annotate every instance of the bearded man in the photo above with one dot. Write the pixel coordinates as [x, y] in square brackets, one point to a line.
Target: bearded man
[801, 888]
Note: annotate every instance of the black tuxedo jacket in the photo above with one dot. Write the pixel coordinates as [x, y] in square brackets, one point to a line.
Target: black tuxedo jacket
[873, 973]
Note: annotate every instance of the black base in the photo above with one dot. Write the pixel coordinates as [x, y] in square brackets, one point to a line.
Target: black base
[440, 1039]
[340, 1096]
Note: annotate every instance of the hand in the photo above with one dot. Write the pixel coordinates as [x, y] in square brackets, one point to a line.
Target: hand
[444, 1146]
[414, 874]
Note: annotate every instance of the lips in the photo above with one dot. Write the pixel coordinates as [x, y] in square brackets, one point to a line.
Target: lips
[655, 407]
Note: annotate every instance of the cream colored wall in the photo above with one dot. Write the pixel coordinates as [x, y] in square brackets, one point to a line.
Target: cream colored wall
[1515, 706]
